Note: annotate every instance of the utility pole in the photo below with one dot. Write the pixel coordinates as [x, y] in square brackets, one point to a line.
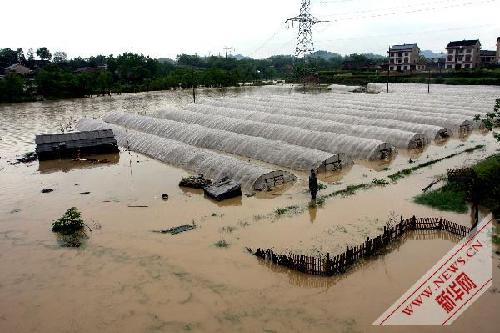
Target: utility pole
[228, 49]
[193, 84]
[305, 45]
[388, 67]
[429, 82]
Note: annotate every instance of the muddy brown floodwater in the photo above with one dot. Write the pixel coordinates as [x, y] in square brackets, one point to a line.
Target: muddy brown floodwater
[126, 278]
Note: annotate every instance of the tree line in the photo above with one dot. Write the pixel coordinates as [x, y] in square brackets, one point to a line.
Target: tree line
[54, 76]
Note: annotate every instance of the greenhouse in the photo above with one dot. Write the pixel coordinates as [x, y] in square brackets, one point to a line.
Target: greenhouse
[278, 153]
[213, 165]
[430, 131]
[351, 146]
[398, 138]
[450, 123]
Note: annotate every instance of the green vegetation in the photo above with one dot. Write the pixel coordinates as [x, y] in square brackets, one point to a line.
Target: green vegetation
[222, 244]
[381, 182]
[408, 171]
[488, 76]
[492, 119]
[448, 198]
[70, 223]
[488, 183]
[322, 186]
[287, 210]
[453, 197]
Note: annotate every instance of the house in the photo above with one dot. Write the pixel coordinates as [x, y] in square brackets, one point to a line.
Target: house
[17, 69]
[498, 50]
[488, 57]
[463, 54]
[71, 145]
[404, 57]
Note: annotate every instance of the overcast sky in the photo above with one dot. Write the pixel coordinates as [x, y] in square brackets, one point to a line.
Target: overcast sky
[256, 28]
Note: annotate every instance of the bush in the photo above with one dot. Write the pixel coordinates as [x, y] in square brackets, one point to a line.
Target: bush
[70, 223]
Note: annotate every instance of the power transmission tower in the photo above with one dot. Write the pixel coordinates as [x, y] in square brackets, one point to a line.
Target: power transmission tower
[305, 45]
[228, 49]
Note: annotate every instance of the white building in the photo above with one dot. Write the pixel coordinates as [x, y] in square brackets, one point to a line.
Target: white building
[463, 54]
[405, 57]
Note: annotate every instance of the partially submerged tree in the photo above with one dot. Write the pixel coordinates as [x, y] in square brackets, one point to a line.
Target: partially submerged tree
[70, 228]
[492, 119]
[70, 223]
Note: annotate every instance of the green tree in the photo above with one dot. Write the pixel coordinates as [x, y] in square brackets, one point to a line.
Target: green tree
[44, 53]
[7, 57]
[60, 57]
[492, 119]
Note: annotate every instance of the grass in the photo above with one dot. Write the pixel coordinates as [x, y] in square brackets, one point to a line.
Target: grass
[405, 172]
[381, 182]
[286, 210]
[222, 243]
[488, 175]
[448, 198]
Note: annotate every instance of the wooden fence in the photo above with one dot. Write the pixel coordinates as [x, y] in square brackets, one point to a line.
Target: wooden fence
[328, 265]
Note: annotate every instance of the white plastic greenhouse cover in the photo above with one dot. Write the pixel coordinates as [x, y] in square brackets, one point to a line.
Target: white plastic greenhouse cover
[272, 114]
[274, 152]
[456, 116]
[409, 104]
[211, 164]
[451, 123]
[430, 131]
[334, 143]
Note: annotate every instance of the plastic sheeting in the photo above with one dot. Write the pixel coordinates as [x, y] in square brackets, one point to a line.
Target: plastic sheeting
[334, 143]
[274, 152]
[211, 164]
[276, 115]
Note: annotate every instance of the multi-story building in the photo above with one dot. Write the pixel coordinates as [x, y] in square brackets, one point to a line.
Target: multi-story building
[488, 57]
[404, 57]
[463, 54]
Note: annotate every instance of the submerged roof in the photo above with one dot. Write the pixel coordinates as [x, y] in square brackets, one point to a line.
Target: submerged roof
[76, 136]
[465, 42]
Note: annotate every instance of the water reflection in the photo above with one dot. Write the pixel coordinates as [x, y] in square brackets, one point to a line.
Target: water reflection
[310, 281]
[66, 165]
[313, 212]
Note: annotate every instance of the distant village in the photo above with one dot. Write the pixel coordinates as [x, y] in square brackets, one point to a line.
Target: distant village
[463, 54]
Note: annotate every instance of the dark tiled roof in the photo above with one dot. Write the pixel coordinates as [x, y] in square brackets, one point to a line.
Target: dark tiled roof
[49, 142]
[403, 47]
[459, 43]
[488, 53]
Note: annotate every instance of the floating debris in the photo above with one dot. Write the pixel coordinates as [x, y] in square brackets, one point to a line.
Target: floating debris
[196, 182]
[85, 193]
[176, 230]
[137, 206]
[47, 190]
[224, 189]
[26, 158]
[164, 196]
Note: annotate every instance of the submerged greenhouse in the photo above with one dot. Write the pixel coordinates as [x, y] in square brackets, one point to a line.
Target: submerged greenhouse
[351, 146]
[274, 152]
[198, 160]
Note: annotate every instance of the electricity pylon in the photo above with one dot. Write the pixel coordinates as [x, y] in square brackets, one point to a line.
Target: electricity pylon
[305, 45]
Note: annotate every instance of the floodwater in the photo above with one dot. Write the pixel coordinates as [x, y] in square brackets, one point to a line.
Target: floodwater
[126, 278]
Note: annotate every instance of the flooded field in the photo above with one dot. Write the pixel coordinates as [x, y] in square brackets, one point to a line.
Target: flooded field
[127, 278]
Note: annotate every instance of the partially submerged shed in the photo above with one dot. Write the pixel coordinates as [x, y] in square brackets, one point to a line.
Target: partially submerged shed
[68, 145]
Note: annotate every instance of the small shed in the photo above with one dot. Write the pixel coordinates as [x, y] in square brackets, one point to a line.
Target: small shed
[70, 145]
